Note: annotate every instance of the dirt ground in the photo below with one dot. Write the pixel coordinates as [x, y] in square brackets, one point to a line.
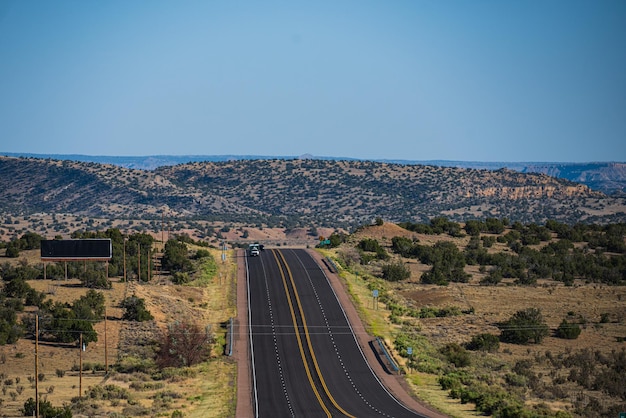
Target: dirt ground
[496, 304]
[17, 361]
[214, 304]
[59, 364]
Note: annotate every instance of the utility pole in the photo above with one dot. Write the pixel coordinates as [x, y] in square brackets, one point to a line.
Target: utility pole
[106, 356]
[37, 365]
[138, 262]
[124, 259]
[80, 373]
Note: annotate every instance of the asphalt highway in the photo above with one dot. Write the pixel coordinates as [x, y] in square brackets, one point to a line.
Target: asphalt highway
[305, 359]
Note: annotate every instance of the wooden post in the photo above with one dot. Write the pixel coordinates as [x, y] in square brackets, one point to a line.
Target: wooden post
[106, 357]
[80, 373]
[65, 270]
[138, 262]
[124, 259]
[37, 365]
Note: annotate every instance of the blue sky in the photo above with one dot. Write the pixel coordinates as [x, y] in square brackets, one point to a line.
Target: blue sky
[417, 80]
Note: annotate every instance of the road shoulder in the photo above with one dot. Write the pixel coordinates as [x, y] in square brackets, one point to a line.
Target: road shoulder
[396, 385]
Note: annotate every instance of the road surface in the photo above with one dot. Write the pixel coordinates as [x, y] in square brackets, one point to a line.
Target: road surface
[305, 358]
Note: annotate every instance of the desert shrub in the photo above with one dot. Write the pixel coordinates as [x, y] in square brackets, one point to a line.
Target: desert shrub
[488, 241]
[568, 331]
[456, 355]
[175, 256]
[523, 327]
[9, 332]
[136, 411]
[131, 364]
[337, 239]
[447, 261]
[348, 257]
[484, 342]
[63, 325]
[107, 392]
[184, 344]
[403, 246]
[95, 279]
[169, 394]
[429, 312]
[180, 278]
[369, 245]
[372, 246]
[145, 386]
[474, 227]
[514, 379]
[492, 278]
[395, 272]
[135, 309]
[490, 400]
[202, 253]
[46, 410]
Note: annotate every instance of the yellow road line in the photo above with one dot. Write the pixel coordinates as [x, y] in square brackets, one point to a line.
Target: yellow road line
[295, 327]
[308, 338]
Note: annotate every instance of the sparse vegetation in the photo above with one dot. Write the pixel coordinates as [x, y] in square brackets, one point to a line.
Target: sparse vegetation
[185, 344]
[524, 327]
[504, 254]
[135, 309]
[503, 367]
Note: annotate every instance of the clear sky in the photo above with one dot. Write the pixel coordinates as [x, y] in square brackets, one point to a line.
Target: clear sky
[465, 80]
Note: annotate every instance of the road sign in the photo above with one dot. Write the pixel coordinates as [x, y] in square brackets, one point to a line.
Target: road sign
[409, 350]
[375, 293]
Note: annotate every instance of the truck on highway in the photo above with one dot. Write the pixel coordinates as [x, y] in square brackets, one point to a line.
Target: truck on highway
[254, 250]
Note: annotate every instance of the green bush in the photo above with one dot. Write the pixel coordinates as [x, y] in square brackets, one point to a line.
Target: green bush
[523, 327]
[202, 253]
[395, 272]
[484, 342]
[568, 331]
[456, 355]
[135, 310]
[46, 410]
[180, 278]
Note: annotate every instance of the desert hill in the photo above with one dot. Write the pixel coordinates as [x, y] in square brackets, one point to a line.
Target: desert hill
[606, 177]
[296, 192]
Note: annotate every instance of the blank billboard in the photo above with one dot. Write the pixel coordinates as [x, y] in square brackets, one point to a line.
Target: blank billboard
[76, 249]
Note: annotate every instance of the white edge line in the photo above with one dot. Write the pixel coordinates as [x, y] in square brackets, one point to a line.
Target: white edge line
[357, 342]
[256, 399]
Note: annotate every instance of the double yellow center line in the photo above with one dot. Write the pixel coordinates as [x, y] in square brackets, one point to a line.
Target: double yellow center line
[277, 254]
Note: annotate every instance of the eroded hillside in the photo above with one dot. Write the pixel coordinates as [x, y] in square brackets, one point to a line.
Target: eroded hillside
[297, 192]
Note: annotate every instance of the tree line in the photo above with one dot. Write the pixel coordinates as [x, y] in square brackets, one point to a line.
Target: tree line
[552, 251]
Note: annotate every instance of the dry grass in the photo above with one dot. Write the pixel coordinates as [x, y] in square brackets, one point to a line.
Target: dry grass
[582, 302]
[206, 390]
[492, 305]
